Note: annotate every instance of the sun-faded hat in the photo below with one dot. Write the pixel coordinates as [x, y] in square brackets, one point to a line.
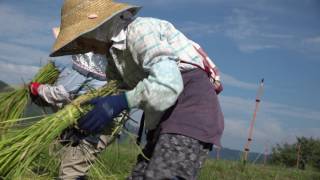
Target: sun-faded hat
[79, 17]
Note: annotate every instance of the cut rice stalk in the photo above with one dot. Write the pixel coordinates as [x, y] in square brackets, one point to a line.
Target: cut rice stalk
[18, 152]
[14, 103]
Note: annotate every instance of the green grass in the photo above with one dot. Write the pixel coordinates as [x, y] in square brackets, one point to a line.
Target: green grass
[117, 161]
[235, 170]
[19, 151]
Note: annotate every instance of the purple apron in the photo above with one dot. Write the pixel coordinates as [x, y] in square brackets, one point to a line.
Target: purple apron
[197, 113]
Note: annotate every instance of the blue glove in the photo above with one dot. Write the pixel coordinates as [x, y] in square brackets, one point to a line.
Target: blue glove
[105, 109]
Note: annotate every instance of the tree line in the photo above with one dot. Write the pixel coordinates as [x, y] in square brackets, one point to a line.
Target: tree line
[304, 153]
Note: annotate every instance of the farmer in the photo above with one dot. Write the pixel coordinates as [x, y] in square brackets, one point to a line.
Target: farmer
[87, 72]
[168, 76]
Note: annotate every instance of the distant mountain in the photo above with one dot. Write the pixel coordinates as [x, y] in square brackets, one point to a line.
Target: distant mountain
[232, 154]
[4, 87]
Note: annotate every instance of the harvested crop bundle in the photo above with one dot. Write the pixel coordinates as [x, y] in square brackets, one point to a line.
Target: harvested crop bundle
[19, 151]
[13, 104]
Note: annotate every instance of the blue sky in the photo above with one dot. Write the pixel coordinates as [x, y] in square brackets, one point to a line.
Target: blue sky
[278, 40]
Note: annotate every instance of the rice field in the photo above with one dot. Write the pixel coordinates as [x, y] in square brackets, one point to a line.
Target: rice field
[32, 152]
[18, 151]
[118, 159]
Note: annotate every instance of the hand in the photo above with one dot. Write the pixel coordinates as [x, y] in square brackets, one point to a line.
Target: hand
[218, 87]
[34, 86]
[34, 94]
[105, 109]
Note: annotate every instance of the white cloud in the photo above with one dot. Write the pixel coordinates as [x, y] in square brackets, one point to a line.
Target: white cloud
[251, 25]
[271, 123]
[236, 133]
[199, 29]
[19, 24]
[24, 40]
[290, 111]
[311, 44]
[18, 54]
[268, 109]
[236, 106]
[307, 132]
[248, 48]
[262, 131]
[244, 30]
[248, 31]
[253, 33]
[23, 29]
[313, 40]
[236, 128]
[14, 74]
[232, 81]
[33, 40]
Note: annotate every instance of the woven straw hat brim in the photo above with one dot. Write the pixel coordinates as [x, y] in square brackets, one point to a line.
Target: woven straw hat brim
[75, 22]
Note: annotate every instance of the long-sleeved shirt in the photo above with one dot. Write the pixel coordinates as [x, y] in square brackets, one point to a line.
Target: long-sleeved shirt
[147, 56]
[85, 74]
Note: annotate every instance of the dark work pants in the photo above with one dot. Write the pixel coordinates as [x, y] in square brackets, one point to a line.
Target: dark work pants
[172, 156]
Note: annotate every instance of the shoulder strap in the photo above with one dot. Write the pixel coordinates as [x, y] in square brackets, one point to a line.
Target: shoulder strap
[208, 66]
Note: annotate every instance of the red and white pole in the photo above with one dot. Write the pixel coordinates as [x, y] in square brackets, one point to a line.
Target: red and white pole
[250, 135]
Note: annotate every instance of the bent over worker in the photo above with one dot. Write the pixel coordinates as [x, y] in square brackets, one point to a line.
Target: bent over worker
[167, 76]
[87, 73]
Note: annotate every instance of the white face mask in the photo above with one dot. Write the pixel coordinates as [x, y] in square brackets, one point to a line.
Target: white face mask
[105, 32]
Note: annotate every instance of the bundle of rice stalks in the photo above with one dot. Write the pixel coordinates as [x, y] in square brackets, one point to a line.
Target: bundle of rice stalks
[19, 151]
[13, 104]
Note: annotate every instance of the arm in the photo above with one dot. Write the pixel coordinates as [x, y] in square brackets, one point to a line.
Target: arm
[67, 85]
[54, 95]
[156, 93]
[161, 88]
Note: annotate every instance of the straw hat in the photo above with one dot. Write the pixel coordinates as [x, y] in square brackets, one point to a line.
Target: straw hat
[79, 17]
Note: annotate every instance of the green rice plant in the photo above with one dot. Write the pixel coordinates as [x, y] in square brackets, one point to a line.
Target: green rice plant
[14, 103]
[48, 74]
[117, 160]
[17, 152]
[47, 163]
